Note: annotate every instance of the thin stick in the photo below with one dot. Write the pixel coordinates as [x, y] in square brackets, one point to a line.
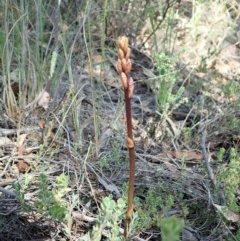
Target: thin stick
[207, 157]
[7, 192]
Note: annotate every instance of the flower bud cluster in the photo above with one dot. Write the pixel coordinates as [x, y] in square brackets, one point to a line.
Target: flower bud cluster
[124, 64]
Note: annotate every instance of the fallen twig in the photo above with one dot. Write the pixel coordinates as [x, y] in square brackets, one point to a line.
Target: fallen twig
[9, 132]
[7, 192]
[207, 157]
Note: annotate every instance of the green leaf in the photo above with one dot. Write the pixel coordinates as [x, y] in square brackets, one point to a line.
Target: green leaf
[171, 228]
[57, 212]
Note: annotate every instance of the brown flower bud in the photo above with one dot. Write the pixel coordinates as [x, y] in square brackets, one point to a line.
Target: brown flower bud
[129, 65]
[126, 65]
[128, 53]
[124, 80]
[122, 43]
[119, 66]
[120, 54]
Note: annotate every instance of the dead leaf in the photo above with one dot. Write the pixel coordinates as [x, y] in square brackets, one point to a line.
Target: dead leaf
[227, 214]
[5, 141]
[21, 139]
[19, 144]
[187, 155]
[63, 27]
[43, 99]
[23, 166]
[41, 123]
[7, 145]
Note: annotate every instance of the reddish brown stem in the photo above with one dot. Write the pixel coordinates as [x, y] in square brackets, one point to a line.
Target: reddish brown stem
[123, 67]
[131, 150]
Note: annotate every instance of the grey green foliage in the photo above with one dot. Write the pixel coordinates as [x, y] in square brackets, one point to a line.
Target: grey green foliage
[165, 82]
[171, 228]
[111, 213]
[229, 176]
[49, 201]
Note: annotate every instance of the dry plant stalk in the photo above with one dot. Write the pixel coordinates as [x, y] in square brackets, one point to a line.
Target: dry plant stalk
[123, 67]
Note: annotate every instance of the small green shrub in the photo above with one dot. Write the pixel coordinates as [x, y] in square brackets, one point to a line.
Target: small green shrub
[20, 194]
[232, 88]
[113, 155]
[229, 175]
[111, 213]
[50, 202]
[165, 82]
[151, 212]
[171, 228]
